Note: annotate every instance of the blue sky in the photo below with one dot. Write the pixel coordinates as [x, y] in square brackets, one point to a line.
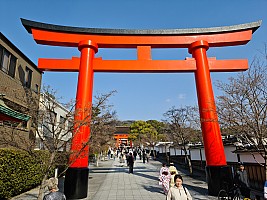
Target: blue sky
[139, 96]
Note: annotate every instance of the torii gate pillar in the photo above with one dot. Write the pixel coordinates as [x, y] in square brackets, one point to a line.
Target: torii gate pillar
[216, 166]
[197, 41]
[77, 173]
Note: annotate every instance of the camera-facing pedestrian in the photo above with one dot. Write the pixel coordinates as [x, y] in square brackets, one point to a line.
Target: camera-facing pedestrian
[178, 191]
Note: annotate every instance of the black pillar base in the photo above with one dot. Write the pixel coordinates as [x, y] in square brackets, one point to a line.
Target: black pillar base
[76, 183]
[218, 177]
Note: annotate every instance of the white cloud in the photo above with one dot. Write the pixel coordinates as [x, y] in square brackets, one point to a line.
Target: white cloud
[168, 100]
[181, 96]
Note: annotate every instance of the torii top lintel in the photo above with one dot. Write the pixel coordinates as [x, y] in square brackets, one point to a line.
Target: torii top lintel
[57, 35]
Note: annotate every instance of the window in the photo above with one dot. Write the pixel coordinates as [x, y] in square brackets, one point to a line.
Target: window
[36, 88]
[1, 53]
[70, 124]
[12, 66]
[5, 61]
[46, 131]
[62, 122]
[53, 117]
[28, 77]
[8, 62]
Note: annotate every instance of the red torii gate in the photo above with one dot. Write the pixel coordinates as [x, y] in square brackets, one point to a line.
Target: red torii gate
[197, 41]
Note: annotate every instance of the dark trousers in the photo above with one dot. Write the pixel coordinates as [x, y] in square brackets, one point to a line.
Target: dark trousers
[131, 169]
[245, 191]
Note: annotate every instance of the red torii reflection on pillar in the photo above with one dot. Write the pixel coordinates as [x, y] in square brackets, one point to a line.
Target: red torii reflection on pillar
[196, 40]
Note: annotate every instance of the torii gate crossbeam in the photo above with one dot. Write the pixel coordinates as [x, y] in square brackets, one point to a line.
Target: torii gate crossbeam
[197, 41]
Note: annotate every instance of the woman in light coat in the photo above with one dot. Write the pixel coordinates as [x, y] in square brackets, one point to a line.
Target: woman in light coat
[173, 172]
[178, 191]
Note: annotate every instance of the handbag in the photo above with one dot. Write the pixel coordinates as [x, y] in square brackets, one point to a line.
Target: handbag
[185, 193]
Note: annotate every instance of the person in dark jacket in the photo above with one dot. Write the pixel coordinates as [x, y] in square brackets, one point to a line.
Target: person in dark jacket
[135, 154]
[241, 180]
[130, 162]
[144, 155]
[54, 194]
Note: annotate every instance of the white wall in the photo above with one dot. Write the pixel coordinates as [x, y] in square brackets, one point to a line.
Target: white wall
[230, 156]
[60, 111]
[228, 150]
[178, 150]
[247, 157]
[195, 154]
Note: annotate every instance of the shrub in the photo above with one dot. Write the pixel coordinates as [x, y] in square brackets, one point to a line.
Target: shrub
[20, 171]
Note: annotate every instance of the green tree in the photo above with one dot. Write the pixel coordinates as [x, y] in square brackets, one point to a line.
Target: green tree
[140, 132]
[156, 135]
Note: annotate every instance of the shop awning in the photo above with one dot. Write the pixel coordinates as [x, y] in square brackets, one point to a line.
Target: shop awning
[7, 113]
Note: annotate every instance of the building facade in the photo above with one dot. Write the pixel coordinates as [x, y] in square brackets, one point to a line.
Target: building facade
[55, 125]
[20, 82]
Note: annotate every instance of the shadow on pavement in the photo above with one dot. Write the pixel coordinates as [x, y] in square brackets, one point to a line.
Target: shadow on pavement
[200, 190]
[145, 175]
[153, 189]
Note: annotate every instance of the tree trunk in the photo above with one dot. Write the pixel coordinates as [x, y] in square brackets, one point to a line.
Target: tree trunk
[154, 153]
[43, 184]
[188, 161]
[189, 164]
[42, 188]
[167, 157]
[96, 159]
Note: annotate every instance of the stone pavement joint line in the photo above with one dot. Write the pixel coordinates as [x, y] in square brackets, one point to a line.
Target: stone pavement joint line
[111, 181]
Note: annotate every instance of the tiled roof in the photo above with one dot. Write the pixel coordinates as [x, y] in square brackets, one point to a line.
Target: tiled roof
[12, 113]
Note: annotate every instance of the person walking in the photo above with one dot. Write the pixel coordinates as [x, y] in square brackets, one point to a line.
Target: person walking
[164, 178]
[241, 180]
[109, 152]
[144, 155]
[135, 154]
[130, 163]
[54, 194]
[178, 191]
[173, 172]
[140, 154]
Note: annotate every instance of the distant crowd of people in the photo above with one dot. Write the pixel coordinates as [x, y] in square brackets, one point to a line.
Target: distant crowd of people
[128, 155]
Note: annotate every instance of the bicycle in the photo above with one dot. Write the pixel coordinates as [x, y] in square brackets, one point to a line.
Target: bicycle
[230, 194]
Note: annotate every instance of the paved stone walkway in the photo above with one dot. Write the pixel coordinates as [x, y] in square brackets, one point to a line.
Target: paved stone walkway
[111, 181]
